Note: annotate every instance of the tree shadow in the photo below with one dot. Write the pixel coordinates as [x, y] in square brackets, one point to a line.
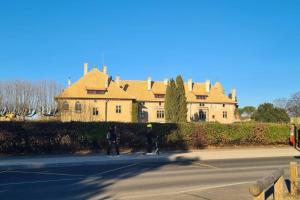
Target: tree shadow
[92, 185]
[95, 189]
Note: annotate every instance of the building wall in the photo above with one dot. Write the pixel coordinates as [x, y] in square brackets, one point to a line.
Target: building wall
[87, 106]
[213, 111]
[150, 112]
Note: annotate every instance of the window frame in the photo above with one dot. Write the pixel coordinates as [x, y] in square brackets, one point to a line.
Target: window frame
[65, 106]
[160, 114]
[95, 111]
[118, 109]
[201, 96]
[78, 107]
[95, 91]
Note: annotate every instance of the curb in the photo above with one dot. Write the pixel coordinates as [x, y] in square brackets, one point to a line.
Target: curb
[103, 162]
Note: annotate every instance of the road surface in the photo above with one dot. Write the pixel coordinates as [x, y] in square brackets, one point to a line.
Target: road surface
[215, 179]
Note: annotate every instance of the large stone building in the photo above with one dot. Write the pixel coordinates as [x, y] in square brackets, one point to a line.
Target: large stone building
[98, 97]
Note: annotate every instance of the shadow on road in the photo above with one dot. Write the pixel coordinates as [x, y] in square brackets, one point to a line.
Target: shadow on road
[77, 182]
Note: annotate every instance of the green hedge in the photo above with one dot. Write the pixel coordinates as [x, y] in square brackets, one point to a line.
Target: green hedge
[58, 137]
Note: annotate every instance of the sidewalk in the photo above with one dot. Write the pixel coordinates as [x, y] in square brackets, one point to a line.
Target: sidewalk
[17, 162]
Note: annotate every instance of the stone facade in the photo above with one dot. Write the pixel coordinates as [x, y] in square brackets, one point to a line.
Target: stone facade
[97, 97]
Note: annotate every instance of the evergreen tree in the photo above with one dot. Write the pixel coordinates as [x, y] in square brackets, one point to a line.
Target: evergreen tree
[181, 98]
[268, 113]
[171, 109]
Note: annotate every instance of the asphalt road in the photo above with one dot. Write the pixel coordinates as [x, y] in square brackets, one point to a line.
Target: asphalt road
[219, 179]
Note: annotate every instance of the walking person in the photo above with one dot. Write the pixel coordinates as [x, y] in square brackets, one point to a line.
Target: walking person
[111, 137]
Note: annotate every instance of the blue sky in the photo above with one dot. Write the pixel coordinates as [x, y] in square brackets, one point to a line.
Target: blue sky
[253, 46]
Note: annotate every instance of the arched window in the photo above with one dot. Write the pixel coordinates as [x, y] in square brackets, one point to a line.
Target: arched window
[65, 106]
[77, 106]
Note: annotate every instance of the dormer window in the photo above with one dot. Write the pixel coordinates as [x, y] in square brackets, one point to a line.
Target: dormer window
[201, 96]
[95, 91]
[159, 95]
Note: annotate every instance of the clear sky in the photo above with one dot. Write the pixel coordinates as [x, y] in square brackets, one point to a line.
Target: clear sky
[253, 46]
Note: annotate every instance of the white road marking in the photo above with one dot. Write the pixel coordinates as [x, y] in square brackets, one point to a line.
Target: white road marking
[112, 170]
[66, 179]
[45, 181]
[197, 188]
[45, 173]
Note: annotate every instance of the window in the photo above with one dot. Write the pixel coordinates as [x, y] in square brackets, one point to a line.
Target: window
[224, 105]
[160, 114]
[95, 91]
[201, 104]
[159, 103]
[77, 106]
[213, 116]
[201, 96]
[65, 106]
[159, 95]
[224, 114]
[95, 111]
[142, 114]
[118, 109]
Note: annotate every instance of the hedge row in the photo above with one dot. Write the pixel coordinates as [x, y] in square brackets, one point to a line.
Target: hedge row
[58, 137]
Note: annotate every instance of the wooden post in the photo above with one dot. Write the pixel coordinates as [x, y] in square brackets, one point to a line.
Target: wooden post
[260, 197]
[294, 177]
[278, 189]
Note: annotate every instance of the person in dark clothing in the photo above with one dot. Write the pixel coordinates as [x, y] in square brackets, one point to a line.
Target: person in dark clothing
[149, 137]
[112, 140]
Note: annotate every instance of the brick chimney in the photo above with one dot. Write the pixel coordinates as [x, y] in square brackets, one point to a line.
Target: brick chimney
[233, 94]
[166, 81]
[118, 80]
[207, 86]
[104, 69]
[149, 83]
[106, 82]
[190, 85]
[85, 68]
[69, 82]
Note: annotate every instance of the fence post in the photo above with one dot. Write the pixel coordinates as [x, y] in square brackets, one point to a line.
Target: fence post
[294, 177]
[278, 189]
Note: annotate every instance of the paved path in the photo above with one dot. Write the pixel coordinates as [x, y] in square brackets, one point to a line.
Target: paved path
[206, 180]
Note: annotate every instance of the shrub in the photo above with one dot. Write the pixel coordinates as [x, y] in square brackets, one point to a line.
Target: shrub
[58, 137]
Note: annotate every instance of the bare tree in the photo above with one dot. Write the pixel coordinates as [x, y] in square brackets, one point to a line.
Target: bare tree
[293, 105]
[22, 97]
[280, 103]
